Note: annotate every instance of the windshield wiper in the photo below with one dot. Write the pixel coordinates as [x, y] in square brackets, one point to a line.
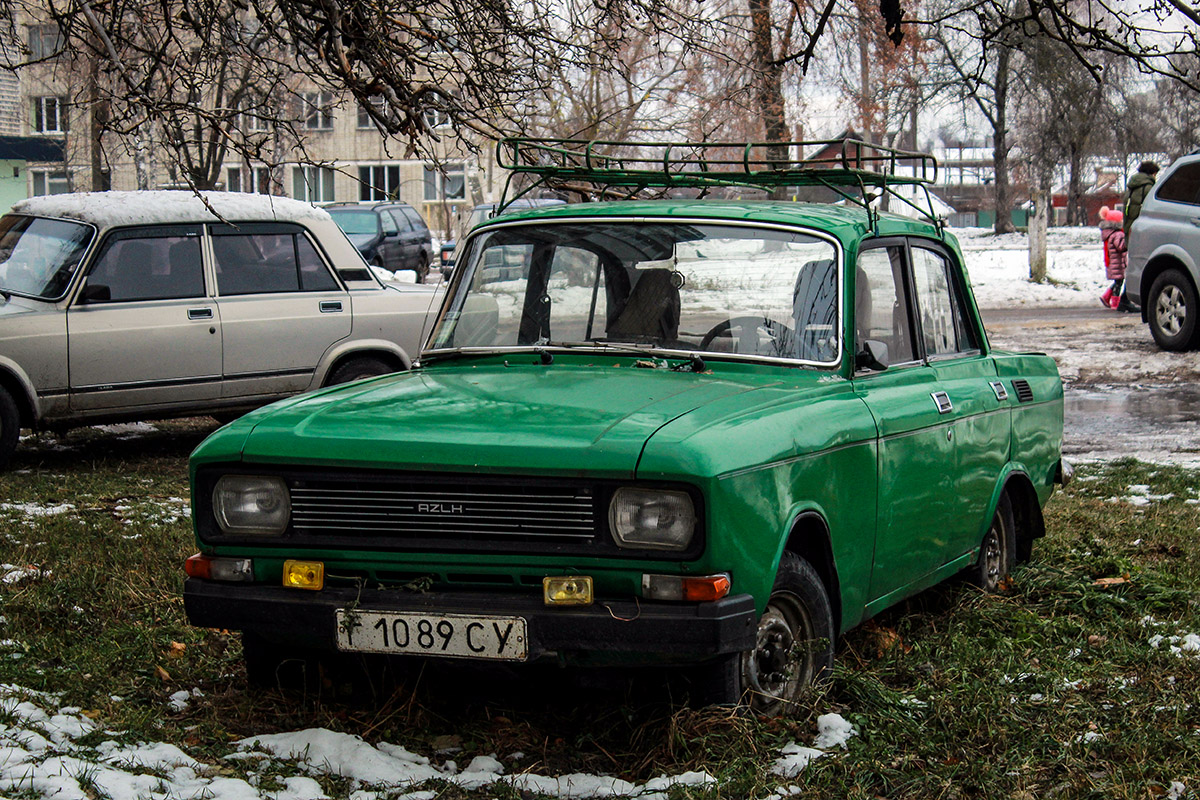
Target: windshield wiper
[693, 362]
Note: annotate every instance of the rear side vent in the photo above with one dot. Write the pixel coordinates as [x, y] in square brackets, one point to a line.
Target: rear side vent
[1024, 393]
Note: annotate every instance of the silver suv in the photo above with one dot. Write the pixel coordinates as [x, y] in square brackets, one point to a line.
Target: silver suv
[135, 305]
[1164, 255]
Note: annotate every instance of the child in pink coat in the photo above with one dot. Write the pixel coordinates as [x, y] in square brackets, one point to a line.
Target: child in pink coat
[1115, 256]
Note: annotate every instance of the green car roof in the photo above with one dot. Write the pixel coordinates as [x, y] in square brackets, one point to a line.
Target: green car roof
[848, 223]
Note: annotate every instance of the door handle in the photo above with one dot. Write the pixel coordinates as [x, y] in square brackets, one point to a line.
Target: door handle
[200, 313]
[331, 306]
[942, 401]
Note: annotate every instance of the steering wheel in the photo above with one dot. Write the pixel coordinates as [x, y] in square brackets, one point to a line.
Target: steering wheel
[748, 338]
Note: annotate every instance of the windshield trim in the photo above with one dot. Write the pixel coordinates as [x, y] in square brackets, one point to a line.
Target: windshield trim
[468, 241]
[83, 259]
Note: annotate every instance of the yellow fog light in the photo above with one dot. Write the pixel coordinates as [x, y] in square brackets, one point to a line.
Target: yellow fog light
[304, 575]
[569, 590]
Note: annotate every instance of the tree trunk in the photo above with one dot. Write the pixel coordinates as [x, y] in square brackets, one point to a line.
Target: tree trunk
[768, 78]
[1000, 146]
[1040, 192]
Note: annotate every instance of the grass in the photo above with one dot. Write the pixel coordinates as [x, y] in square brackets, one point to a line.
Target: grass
[1051, 689]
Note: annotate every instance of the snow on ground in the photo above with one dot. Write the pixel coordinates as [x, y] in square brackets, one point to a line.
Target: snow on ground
[999, 267]
[41, 753]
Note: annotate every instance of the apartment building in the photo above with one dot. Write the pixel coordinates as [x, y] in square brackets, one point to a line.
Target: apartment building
[340, 154]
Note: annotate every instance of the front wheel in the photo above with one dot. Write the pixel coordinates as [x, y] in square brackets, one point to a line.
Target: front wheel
[1172, 311]
[793, 647]
[10, 427]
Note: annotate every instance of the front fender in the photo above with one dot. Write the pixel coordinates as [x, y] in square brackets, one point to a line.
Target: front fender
[17, 381]
[389, 351]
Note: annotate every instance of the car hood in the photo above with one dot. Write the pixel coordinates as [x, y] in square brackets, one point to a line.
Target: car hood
[551, 419]
[362, 240]
[23, 305]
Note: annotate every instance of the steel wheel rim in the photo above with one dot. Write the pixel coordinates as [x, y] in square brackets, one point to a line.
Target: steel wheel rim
[993, 556]
[1170, 310]
[780, 665]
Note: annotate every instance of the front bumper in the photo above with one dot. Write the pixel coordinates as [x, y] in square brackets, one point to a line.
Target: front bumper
[625, 628]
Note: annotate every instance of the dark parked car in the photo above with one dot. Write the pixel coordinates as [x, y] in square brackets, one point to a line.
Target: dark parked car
[482, 213]
[389, 235]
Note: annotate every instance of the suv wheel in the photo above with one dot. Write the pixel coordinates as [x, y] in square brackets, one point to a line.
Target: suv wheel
[1172, 310]
[10, 427]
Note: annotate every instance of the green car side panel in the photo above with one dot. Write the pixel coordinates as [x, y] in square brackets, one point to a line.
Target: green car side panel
[806, 444]
[1037, 424]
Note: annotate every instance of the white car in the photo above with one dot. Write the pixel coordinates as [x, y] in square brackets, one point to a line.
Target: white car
[136, 305]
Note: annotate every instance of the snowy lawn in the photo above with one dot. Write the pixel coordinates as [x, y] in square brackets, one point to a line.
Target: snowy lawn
[1082, 679]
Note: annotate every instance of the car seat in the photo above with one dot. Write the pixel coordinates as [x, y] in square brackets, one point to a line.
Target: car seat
[814, 311]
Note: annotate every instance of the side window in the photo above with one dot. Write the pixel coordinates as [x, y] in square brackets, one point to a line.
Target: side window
[944, 325]
[880, 303]
[417, 222]
[268, 263]
[1183, 185]
[314, 275]
[149, 268]
[389, 224]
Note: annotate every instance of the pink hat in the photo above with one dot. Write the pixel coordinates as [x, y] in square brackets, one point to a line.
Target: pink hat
[1111, 214]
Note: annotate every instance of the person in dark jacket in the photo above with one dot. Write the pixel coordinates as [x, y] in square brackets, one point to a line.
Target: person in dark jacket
[1136, 191]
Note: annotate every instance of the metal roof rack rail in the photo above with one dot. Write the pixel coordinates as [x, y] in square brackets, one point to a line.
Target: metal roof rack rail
[614, 169]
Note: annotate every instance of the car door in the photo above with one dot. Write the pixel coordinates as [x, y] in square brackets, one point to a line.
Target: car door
[281, 308]
[915, 456]
[419, 237]
[392, 247]
[142, 329]
[978, 414]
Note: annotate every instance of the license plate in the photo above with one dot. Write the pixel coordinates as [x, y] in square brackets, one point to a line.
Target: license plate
[450, 635]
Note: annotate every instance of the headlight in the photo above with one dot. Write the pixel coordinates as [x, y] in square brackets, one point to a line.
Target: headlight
[652, 519]
[251, 504]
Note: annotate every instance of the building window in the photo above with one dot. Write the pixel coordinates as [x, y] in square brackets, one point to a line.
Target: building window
[50, 181]
[313, 184]
[318, 111]
[436, 118]
[447, 183]
[252, 180]
[380, 182]
[255, 116]
[45, 41]
[49, 116]
[365, 122]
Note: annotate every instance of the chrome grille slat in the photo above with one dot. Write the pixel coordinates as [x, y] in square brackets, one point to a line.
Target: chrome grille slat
[468, 510]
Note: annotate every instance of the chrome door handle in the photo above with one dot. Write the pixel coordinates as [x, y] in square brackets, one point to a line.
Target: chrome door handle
[331, 306]
[942, 401]
[200, 313]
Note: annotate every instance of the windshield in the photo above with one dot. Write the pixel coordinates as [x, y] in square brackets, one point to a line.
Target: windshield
[356, 222]
[38, 257]
[710, 288]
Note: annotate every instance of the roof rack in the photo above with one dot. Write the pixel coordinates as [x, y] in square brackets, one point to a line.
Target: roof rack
[611, 166]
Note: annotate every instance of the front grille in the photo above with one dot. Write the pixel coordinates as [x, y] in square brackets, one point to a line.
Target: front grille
[496, 512]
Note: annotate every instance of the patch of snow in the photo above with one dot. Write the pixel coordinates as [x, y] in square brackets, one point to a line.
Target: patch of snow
[147, 208]
[833, 731]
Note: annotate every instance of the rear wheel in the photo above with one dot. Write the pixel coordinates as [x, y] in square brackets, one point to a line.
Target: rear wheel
[357, 369]
[998, 552]
[10, 427]
[793, 647]
[1172, 310]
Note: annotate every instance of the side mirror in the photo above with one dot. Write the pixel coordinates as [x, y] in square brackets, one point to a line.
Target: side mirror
[95, 293]
[873, 356]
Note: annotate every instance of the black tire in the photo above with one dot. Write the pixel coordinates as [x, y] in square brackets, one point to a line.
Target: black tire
[1172, 310]
[998, 551]
[793, 651]
[357, 369]
[10, 427]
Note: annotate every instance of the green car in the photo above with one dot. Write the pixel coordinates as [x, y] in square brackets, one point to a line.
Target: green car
[705, 433]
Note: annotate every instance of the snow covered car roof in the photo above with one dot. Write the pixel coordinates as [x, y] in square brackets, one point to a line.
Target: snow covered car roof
[106, 209]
